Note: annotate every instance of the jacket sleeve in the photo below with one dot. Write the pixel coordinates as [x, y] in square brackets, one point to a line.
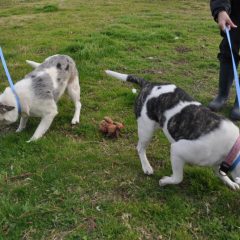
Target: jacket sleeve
[218, 6]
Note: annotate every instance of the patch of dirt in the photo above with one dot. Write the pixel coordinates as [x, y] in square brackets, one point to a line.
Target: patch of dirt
[181, 62]
[132, 49]
[91, 224]
[190, 74]
[69, 133]
[151, 71]
[182, 49]
[11, 20]
[122, 69]
[152, 58]
[123, 193]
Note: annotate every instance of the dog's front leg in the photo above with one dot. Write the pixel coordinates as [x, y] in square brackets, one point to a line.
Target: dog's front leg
[22, 124]
[177, 166]
[226, 179]
[43, 126]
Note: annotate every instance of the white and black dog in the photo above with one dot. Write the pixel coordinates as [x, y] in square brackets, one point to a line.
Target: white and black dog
[197, 135]
[39, 92]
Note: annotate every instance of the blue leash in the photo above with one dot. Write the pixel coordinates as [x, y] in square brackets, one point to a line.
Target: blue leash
[237, 161]
[10, 80]
[234, 66]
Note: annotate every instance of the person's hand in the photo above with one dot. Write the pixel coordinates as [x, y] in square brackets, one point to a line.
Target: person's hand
[225, 21]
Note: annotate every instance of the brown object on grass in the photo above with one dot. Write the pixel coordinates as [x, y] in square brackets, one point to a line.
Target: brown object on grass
[110, 128]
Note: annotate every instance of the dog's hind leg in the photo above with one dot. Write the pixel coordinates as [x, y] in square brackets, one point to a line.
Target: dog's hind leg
[74, 92]
[226, 179]
[22, 124]
[145, 132]
[177, 166]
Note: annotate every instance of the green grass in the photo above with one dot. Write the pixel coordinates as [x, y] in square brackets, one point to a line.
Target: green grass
[76, 184]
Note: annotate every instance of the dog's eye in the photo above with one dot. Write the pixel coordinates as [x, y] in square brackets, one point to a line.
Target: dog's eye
[159, 88]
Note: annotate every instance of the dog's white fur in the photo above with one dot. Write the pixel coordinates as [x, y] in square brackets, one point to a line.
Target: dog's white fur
[33, 106]
[208, 150]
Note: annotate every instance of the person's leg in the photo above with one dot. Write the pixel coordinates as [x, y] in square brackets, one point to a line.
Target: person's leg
[225, 76]
[235, 113]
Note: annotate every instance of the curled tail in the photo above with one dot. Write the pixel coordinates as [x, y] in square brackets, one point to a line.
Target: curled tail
[126, 78]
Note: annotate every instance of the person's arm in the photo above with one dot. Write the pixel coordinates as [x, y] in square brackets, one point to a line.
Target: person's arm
[218, 6]
[220, 11]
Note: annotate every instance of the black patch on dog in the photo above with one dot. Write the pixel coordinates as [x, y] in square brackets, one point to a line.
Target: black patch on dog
[192, 122]
[59, 79]
[5, 108]
[158, 105]
[33, 76]
[142, 98]
[43, 86]
[67, 67]
[59, 66]
[134, 79]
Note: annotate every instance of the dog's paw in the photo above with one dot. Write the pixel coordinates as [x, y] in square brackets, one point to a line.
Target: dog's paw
[32, 139]
[237, 180]
[148, 170]
[75, 121]
[164, 181]
[19, 130]
[234, 186]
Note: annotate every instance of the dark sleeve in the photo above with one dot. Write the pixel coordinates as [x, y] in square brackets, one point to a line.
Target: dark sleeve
[218, 6]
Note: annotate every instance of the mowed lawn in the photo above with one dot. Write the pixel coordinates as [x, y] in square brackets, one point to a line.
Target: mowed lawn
[75, 183]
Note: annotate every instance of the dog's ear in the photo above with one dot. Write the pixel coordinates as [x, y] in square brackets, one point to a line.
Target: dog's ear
[5, 108]
[33, 64]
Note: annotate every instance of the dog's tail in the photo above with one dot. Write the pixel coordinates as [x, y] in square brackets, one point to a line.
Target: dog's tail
[126, 78]
[33, 64]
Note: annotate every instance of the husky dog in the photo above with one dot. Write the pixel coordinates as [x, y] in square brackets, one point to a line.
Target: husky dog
[197, 135]
[38, 93]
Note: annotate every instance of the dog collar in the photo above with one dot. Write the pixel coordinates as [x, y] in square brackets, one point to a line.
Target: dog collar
[232, 159]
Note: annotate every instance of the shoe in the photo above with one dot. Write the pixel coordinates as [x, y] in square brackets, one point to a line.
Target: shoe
[225, 83]
[217, 103]
[235, 113]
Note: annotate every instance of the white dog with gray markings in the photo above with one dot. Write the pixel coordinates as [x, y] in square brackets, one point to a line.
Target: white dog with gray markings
[197, 135]
[39, 92]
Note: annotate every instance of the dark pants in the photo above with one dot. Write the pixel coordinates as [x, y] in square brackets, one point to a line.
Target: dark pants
[225, 55]
[226, 75]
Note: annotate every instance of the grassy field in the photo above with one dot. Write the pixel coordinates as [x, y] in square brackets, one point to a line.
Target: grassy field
[76, 184]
